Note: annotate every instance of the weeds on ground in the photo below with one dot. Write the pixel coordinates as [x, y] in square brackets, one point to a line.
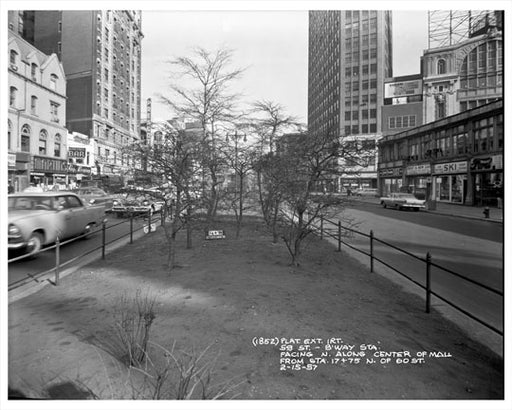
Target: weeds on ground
[133, 320]
[172, 375]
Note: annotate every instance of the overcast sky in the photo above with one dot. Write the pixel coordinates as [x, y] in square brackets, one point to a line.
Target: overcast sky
[273, 45]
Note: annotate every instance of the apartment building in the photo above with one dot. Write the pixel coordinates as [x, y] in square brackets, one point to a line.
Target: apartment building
[37, 137]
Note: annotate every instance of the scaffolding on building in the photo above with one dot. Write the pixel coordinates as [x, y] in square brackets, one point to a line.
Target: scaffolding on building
[449, 27]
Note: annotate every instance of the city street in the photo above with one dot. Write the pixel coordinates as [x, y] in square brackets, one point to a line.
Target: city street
[24, 268]
[471, 248]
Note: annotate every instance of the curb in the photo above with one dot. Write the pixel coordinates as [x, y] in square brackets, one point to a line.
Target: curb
[39, 283]
[476, 218]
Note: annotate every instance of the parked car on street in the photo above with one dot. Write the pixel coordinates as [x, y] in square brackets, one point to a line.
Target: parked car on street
[402, 200]
[368, 192]
[38, 218]
[95, 196]
[135, 204]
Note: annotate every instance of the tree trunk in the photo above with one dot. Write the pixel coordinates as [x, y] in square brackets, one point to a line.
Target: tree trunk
[275, 234]
[189, 229]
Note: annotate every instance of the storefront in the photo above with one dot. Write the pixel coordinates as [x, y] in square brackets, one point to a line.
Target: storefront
[418, 179]
[391, 180]
[450, 182]
[18, 171]
[47, 172]
[487, 180]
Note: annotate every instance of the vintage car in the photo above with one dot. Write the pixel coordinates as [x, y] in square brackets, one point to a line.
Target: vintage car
[133, 204]
[366, 192]
[38, 218]
[402, 200]
[95, 196]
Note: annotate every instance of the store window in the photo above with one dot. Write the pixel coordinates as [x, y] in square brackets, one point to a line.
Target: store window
[450, 188]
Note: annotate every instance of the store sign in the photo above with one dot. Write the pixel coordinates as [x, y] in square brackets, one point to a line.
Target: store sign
[12, 160]
[451, 168]
[48, 164]
[402, 89]
[420, 169]
[487, 163]
[84, 170]
[391, 172]
[76, 153]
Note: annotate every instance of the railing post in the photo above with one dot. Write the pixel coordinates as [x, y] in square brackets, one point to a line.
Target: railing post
[428, 285]
[339, 236]
[371, 251]
[131, 227]
[103, 235]
[57, 261]
[149, 220]
[321, 227]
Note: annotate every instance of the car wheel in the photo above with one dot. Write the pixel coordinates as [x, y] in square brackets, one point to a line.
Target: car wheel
[416, 209]
[35, 243]
[87, 231]
[384, 204]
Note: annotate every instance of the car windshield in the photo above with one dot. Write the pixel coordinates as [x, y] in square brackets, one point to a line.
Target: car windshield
[406, 196]
[28, 203]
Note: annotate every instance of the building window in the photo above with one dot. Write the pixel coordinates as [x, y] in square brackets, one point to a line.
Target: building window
[53, 82]
[56, 146]
[13, 91]
[54, 111]
[441, 66]
[43, 136]
[33, 71]
[9, 128]
[33, 105]
[25, 138]
[440, 109]
[13, 57]
[59, 47]
[59, 26]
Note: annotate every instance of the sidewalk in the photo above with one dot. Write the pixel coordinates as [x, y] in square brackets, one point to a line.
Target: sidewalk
[464, 211]
[461, 211]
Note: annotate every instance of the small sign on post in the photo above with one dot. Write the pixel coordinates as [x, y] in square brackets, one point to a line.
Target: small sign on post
[216, 234]
[149, 228]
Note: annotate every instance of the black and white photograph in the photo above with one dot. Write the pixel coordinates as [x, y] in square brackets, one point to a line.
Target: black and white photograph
[265, 203]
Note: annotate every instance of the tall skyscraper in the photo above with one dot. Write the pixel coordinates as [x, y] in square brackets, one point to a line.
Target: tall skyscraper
[350, 55]
[101, 54]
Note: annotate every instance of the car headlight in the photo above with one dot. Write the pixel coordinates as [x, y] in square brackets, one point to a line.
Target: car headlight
[14, 230]
[115, 203]
[92, 201]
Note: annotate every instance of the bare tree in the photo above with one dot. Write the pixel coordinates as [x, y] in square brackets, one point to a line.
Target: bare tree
[269, 123]
[239, 158]
[175, 161]
[203, 93]
[305, 166]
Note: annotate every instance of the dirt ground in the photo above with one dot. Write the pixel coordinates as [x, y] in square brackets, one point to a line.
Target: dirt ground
[241, 298]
